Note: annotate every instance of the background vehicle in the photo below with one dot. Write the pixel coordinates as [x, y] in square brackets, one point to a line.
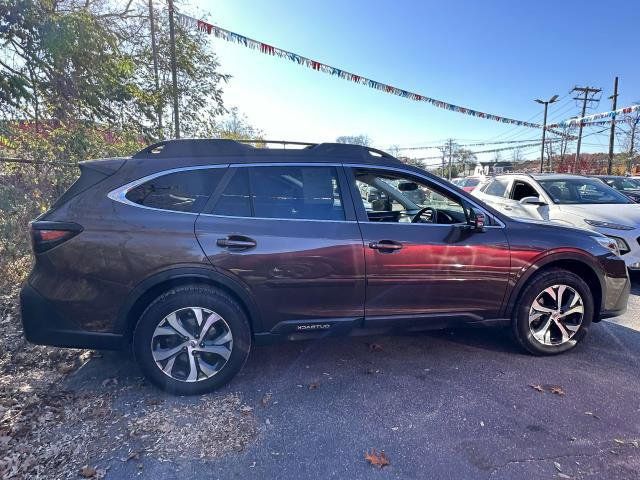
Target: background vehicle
[468, 184]
[626, 185]
[194, 250]
[569, 200]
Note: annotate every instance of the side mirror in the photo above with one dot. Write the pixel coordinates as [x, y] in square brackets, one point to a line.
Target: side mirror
[477, 222]
[532, 201]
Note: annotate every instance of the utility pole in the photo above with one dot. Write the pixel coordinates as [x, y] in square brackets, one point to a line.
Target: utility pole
[588, 96]
[154, 54]
[614, 97]
[544, 126]
[449, 146]
[174, 71]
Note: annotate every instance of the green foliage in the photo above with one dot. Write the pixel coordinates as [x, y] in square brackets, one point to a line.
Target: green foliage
[355, 140]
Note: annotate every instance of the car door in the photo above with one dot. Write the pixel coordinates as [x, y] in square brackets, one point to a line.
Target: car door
[518, 190]
[422, 273]
[286, 234]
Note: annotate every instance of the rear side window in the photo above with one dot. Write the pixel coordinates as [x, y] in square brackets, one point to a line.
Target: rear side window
[496, 187]
[288, 192]
[235, 200]
[185, 191]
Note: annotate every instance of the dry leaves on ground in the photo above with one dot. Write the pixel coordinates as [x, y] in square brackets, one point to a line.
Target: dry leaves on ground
[375, 347]
[377, 459]
[555, 389]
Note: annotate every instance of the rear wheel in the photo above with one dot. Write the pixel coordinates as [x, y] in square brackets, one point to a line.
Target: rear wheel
[553, 312]
[192, 340]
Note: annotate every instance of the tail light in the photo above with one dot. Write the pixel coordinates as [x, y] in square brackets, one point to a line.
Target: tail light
[46, 235]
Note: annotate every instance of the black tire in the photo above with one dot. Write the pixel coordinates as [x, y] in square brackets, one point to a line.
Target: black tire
[520, 318]
[202, 296]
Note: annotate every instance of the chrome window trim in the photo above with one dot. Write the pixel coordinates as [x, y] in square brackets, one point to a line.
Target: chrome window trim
[427, 179]
[278, 218]
[120, 194]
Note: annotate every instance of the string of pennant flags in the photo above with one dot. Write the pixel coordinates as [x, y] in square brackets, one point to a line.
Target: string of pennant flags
[587, 119]
[480, 144]
[191, 22]
[224, 34]
[494, 150]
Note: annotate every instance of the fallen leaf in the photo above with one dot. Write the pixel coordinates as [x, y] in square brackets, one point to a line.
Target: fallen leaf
[246, 410]
[537, 388]
[375, 347]
[377, 459]
[558, 466]
[617, 440]
[556, 390]
[266, 399]
[313, 385]
[88, 472]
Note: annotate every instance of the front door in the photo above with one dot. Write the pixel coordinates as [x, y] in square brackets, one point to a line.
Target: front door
[286, 234]
[423, 262]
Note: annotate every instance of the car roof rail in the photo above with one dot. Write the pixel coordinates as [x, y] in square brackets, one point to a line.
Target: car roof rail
[207, 147]
[349, 150]
[193, 147]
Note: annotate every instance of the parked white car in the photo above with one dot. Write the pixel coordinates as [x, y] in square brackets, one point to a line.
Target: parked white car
[569, 200]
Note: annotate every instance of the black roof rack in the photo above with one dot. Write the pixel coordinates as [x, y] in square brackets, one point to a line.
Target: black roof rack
[219, 147]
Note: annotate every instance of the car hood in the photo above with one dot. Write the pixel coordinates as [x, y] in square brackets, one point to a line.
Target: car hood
[625, 214]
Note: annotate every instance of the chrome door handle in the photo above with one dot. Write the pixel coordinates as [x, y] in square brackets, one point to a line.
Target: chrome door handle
[236, 242]
[385, 245]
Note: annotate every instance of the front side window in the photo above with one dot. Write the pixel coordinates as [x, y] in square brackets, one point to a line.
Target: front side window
[521, 190]
[582, 191]
[287, 192]
[387, 197]
[184, 191]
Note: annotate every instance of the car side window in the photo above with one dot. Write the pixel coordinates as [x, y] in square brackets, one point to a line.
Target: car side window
[296, 192]
[235, 199]
[391, 197]
[290, 192]
[184, 191]
[521, 190]
[496, 187]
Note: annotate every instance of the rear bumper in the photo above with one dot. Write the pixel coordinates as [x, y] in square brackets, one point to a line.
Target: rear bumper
[43, 325]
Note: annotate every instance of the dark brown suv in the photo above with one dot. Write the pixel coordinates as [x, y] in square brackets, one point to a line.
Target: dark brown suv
[193, 250]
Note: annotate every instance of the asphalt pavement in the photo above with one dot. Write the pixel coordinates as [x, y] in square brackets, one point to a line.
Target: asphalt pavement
[463, 404]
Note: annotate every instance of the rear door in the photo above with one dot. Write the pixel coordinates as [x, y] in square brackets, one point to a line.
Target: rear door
[286, 233]
[494, 192]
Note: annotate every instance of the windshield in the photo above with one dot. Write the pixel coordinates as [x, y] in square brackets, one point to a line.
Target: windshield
[581, 191]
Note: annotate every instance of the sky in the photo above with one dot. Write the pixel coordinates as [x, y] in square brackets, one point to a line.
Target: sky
[492, 56]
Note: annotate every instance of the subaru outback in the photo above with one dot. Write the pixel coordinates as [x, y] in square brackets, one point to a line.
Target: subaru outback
[192, 251]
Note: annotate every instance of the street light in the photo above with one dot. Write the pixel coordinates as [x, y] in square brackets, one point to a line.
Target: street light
[544, 125]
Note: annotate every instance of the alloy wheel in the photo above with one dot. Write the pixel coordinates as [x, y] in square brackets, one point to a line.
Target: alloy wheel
[556, 315]
[191, 344]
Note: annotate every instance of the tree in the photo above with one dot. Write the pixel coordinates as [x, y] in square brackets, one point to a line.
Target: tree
[465, 159]
[361, 139]
[630, 133]
[76, 60]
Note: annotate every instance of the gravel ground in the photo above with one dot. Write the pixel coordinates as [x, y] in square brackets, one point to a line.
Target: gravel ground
[451, 404]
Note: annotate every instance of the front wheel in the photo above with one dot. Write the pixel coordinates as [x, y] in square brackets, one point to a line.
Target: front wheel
[192, 339]
[553, 313]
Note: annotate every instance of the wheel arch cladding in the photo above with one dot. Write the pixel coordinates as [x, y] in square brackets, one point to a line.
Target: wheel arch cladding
[574, 265]
[150, 289]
